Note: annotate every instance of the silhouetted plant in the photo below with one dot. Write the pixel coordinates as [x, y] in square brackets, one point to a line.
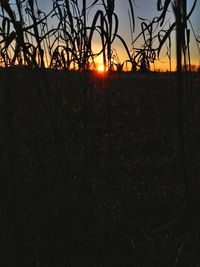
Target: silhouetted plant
[74, 34]
[141, 57]
[26, 41]
[181, 14]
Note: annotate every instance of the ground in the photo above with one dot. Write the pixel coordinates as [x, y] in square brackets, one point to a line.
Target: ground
[91, 170]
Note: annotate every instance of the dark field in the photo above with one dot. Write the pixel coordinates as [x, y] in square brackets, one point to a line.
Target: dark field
[91, 173]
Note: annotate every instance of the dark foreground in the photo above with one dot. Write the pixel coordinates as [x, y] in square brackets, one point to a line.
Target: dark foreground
[97, 181]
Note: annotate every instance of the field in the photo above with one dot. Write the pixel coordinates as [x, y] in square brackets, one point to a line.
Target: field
[91, 171]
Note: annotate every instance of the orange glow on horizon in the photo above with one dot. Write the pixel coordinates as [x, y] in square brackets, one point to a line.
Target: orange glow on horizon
[101, 68]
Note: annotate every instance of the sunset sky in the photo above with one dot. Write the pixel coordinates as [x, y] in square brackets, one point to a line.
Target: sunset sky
[146, 9]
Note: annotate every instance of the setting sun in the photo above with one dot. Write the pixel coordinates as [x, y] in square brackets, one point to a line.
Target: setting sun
[101, 68]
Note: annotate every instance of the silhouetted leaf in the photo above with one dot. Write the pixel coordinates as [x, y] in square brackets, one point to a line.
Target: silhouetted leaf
[163, 39]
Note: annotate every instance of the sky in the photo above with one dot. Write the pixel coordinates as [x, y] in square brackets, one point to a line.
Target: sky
[148, 9]
[145, 9]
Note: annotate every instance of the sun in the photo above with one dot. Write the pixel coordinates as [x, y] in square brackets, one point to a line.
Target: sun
[101, 68]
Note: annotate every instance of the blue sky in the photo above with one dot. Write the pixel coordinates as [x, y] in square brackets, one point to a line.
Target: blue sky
[142, 8]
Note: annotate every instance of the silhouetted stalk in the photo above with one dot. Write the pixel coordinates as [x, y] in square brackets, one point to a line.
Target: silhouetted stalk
[184, 28]
[178, 38]
[85, 41]
[169, 54]
[19, 8]
[110, 9]
[111, 23]
[188, 49]
[19, 31]
[36, 32]
[197, 39]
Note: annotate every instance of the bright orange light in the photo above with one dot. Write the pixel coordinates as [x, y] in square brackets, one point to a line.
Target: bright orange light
[101, 68]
